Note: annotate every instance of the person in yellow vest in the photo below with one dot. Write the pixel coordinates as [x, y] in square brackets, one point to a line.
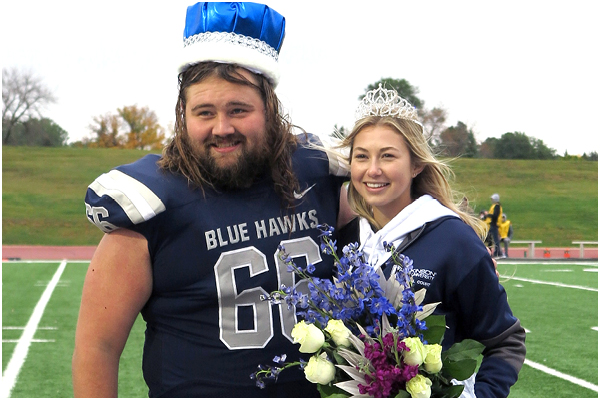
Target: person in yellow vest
[495, 214]
[485, 218]
[505, 230]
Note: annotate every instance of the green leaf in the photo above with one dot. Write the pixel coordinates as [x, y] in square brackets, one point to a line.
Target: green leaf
[467, 349]
[402, 394]
[339, 359]
[331, 391]
[460, 370]
[454, 391]
[436, 327]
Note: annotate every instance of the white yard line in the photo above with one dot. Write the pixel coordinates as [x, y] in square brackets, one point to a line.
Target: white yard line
[558, 374]
[32, 341]
[40, 328]
[514, 278]
[9, 377]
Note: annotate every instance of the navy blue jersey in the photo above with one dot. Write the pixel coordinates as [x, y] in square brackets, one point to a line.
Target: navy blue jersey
[453, 265]
[213, 255]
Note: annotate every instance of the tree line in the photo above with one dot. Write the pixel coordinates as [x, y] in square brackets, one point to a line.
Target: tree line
[25, 96]
[459, 140]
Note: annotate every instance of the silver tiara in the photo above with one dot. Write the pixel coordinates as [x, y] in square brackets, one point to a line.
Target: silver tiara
[382, 102]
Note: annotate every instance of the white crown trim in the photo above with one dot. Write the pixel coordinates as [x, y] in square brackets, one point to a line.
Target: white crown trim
[232, 48]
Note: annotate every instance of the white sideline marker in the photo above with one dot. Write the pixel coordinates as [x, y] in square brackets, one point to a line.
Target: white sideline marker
[558, 374]
[9, 377]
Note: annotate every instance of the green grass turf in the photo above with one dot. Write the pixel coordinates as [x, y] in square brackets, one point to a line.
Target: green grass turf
[560, 320]
[47, 370]
[43, 191]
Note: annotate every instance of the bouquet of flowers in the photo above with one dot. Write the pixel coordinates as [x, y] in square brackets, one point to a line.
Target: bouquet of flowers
[367, 335]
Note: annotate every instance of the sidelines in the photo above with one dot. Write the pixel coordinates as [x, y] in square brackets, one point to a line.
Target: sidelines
[558, 374]
[9, 377]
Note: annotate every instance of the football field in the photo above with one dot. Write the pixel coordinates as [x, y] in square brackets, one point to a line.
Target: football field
[557, 302]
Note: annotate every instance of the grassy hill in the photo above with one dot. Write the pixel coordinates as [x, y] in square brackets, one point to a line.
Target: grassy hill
[43, 190]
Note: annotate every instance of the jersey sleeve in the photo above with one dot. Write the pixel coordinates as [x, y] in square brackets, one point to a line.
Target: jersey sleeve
[124, 196]
[490, 320]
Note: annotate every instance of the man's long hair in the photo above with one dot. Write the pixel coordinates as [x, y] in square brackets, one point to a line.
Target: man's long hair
[179, 155]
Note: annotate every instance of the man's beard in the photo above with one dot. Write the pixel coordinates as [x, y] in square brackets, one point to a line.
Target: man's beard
[239, 174]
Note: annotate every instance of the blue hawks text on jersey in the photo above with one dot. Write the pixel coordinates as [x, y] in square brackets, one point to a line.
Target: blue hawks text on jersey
[213, 255]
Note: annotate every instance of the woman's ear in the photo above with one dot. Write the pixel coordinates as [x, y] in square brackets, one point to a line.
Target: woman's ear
[417, 170]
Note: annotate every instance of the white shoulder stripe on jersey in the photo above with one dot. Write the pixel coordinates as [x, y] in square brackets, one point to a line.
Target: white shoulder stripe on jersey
[136, 199]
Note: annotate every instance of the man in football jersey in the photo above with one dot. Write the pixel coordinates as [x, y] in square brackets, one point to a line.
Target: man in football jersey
[192, 236]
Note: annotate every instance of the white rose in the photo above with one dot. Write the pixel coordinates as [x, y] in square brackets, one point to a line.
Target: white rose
[433, 358]
[419, 386]
[338, 331]
[319, 370]
[309, 336]
[416, 354]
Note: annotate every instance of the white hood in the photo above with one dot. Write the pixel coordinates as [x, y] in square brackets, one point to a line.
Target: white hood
[424, 209]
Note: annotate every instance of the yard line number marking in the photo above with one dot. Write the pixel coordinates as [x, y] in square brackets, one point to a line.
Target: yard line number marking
[9, 377]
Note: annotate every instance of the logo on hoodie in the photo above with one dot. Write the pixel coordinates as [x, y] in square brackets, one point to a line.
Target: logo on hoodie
[423, 277]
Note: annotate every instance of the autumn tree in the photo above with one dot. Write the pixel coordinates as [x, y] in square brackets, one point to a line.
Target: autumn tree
[458, 141]
[24, 96]
[131, 128]
[106, 128]
[144, 132]
[488, 147]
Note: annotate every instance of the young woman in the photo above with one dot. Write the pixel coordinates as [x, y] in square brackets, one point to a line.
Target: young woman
[401, 193]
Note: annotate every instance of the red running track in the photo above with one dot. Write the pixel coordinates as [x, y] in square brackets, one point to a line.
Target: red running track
[86, 252]
[47, 252]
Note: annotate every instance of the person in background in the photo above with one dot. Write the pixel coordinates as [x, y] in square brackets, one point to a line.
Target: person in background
[505, 230]
[191, 236]
[489, 242]
[402, 196]
[494, 214]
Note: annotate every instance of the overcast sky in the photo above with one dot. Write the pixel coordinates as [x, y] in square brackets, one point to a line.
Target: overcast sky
[526, 66]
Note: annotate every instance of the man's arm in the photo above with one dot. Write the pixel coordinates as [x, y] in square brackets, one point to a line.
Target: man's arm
[117, 285]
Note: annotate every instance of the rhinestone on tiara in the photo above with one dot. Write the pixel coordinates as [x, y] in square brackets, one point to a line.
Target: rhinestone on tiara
[382, 102]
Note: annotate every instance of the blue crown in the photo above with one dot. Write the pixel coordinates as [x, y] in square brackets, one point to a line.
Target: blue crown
[247, 34]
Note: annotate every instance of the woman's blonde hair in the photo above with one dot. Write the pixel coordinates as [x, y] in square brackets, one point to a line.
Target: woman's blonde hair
[433, 179]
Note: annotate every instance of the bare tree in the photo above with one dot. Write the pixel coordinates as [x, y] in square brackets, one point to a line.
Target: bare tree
[23, 95]
[433, 124]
